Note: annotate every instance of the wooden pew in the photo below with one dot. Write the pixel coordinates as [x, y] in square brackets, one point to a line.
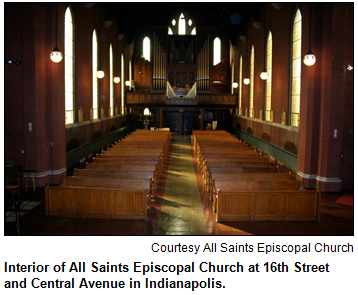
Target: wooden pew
[254, 193]
[117, 174]
[245, 169]
[126, 168]
[99, 198]
[125, 162]
[236, 177]
[267, 205]
[120, 183]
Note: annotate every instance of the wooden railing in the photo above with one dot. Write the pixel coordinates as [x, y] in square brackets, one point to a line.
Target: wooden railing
[207, 99]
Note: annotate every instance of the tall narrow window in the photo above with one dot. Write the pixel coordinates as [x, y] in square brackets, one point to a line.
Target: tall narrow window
[252, 67]
[69, 66]
[122, 84]
[94, 76]
[269, 76]
[240, 85]
[232, 76]
[111, 90]
[182, 25]
[296, 69]
[146, 48]
[217, 51]
[130, 72]
[193, 32]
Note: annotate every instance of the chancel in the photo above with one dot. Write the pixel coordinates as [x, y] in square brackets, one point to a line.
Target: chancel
[169, 118]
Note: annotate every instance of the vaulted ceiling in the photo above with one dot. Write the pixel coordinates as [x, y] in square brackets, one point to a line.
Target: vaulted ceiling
[230, 18]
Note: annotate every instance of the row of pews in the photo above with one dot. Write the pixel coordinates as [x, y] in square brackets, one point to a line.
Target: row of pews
[120, 183]
[244, 185]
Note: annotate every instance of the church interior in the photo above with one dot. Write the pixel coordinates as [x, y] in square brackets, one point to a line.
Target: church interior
[190, 118]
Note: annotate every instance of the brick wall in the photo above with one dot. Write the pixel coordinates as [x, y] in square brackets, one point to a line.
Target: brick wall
[34, 90]
[326, 91]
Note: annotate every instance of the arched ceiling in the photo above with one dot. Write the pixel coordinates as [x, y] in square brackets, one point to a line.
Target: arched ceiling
[134, 17]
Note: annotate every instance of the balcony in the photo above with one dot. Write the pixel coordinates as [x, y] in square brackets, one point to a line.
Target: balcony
[160, 99]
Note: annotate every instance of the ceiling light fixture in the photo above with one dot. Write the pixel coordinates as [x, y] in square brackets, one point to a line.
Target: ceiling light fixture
[100, 72]
[117, 79]
[309, 59]
[263, 74]
[56, 55]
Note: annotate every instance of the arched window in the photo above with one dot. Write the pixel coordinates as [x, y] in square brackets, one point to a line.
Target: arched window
[94, 76]
[296, 69]
[69, 97]
[240, 86]
[111, 90]
[269, 76]
[122, 84]
[232, 76]
[182, 25]
[146, 48]
[217, 51]
[252, 64]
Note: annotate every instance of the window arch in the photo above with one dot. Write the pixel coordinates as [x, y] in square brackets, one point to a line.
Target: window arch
[296, 69]
[269, 76]
[94, 76]
[111, 85]
[146, 48]
[252, 67]
[182, 25]
[69, 96]
[217, 51]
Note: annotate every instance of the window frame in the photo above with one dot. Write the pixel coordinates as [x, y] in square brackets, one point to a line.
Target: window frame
[71, 56]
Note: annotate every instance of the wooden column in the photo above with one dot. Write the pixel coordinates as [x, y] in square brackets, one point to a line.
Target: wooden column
[160, 117]
[202, 119]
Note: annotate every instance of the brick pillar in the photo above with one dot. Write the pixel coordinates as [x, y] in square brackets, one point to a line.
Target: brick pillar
[43, 101]
[309, 125]
[326, 93]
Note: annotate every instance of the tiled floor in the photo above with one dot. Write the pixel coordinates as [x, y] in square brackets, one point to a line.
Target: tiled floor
[180, 208]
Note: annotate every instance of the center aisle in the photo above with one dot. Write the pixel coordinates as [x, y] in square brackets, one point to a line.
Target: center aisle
[181, 210]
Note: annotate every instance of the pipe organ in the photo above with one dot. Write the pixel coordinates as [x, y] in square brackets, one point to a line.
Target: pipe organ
[159, 65]
[203, 67]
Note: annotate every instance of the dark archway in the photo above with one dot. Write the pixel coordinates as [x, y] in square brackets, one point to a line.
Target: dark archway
[72, 144]
[290, 147]
[96, 135]
[266, 137]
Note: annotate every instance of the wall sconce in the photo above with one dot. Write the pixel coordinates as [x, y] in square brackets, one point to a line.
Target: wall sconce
[13, 62]
[100, 74]
[349, 67]
[128, 83]
[116, 79]
[309, 59]
[140, 71]
[247, 81]
[56, 55]
[235, 85]
[263, 75]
